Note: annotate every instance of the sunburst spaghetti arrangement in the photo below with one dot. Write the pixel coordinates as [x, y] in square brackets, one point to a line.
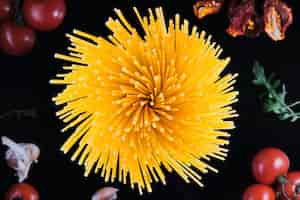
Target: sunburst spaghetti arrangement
[140, 104]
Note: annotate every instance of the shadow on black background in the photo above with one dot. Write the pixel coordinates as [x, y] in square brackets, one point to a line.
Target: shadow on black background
[24, 83]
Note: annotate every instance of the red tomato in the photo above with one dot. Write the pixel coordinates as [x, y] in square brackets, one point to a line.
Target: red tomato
[16, 40]
[22, 191]
[268, 164]
[44, 15]
[6, 9]
[291, 188]
[259, 192]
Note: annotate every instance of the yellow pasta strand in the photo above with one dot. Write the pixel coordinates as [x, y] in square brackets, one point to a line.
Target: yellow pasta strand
[143, 103]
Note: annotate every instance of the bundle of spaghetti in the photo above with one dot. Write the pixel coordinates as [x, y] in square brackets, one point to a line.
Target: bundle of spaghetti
[139, 104]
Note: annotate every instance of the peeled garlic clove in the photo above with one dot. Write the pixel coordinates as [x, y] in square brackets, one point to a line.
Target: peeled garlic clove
[20, 156]
[106, 193]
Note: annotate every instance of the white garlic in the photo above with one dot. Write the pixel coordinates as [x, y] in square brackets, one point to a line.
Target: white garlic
[106, 193]
[20, 156]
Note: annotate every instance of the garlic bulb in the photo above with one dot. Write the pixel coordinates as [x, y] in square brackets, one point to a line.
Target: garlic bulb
[20, 156]
[106, 193]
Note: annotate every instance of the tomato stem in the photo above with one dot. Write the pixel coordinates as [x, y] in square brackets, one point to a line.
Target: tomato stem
[285, 195]
[282, 180]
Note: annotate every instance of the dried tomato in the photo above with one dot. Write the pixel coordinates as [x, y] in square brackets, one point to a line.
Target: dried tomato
[202, 8]
[244, 20]
[277, 18]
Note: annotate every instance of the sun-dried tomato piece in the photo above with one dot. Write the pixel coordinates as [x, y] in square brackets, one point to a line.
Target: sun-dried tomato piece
[278, 17]
[243, 19]
[202, 8]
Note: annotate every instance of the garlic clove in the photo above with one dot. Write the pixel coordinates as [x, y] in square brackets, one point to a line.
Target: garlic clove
[20, 156]
[106, 193]
[32, 150]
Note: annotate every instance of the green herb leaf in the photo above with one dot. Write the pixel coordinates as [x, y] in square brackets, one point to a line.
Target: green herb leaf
[274, 97]
[259, 73]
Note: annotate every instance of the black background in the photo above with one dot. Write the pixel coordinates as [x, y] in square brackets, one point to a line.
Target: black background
[24, 83]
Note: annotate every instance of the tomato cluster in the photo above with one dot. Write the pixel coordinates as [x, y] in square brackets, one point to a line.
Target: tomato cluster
[270, 167]
[20, 18]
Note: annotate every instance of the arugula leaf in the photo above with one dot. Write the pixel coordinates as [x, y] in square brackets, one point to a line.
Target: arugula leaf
[274, 97]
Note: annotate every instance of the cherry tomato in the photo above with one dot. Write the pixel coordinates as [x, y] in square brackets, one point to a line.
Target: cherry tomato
[290, 189]
[22, 191]
[15, 39]
[6, 9]
[259, 192]
[268, 164]
[44, 15]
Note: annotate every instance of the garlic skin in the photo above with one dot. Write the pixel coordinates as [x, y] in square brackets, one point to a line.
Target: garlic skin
[20, 156]
[106, 193]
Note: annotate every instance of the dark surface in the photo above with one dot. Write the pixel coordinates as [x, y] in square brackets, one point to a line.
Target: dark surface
[24, 84]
